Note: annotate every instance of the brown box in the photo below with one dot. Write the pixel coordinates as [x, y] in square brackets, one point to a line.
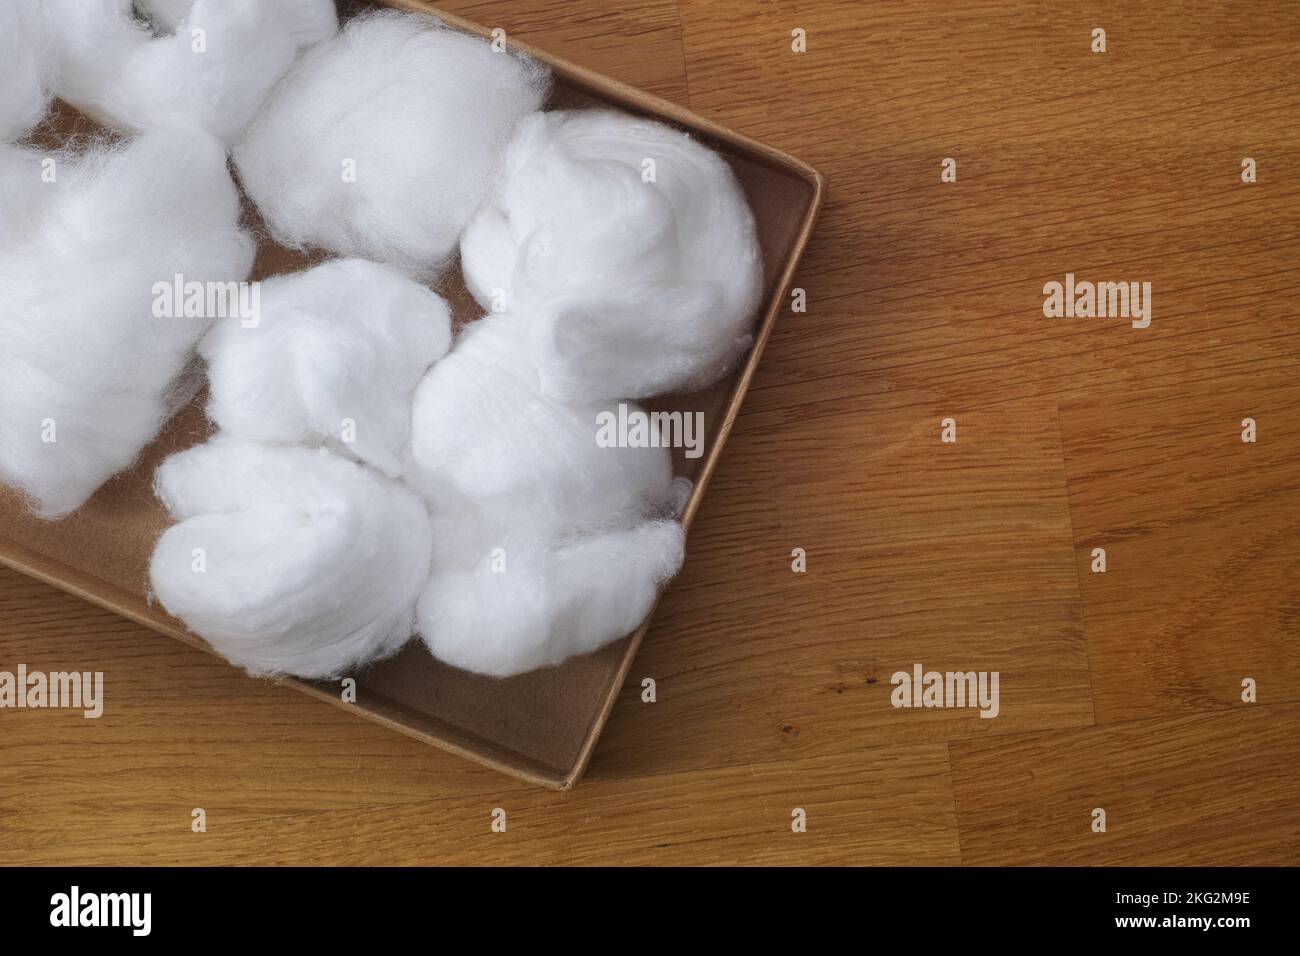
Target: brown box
[542, 726]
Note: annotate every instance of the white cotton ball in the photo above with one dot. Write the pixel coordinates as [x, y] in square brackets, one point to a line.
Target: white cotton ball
[628, 244]
[213, 71]
[86, 369]
[546, 543]
[94, 39]
[380, 142]
[483, 432]
[26, 68]
[289, 560]
[525, 604]
[334, 355]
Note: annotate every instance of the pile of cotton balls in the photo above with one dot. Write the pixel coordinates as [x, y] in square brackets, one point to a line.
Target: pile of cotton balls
[368, 480]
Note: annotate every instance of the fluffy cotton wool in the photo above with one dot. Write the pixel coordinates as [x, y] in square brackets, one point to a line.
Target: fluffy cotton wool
[86, 368]
[525, 602]
[211, 66]
[289, 560]
[546, 544]
[334, 356]
[628, 244]
[26, 68]
[380, 142]
[482, 431]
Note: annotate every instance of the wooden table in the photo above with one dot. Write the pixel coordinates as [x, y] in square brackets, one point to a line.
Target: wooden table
[1119, 690]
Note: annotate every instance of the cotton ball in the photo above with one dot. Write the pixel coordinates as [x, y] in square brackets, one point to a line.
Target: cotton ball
[526, 604]
[94, 40]
[483, 432]
[546, 544]
[213, 71]
[289, 560]
[380, 142]
[334, 356]
[26, 68]
[86, 369]
[631, 247]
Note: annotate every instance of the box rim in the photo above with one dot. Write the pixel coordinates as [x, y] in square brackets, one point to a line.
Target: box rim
[112, 598]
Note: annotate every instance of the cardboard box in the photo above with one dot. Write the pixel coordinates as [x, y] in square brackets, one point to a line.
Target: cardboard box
[543, 726]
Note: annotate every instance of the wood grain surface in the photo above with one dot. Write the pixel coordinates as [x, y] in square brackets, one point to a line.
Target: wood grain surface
[1119, 690]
